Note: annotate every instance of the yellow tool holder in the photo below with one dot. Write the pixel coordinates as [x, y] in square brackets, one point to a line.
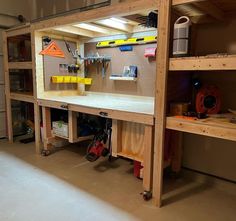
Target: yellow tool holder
[130, 41]
[71, 80]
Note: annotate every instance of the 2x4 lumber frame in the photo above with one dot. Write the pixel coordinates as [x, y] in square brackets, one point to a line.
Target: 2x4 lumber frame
[21, 30]
[7, 88]
[181, 2]
[76, 31]
[203, 63]
[47, 130]
[147, 158]
[37, 118]
[20, 65]
[121, 9]
[72, 124]
[164, 19]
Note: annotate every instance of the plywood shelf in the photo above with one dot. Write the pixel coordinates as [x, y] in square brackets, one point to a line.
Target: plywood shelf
[130, 156]
[212, 127]
[23, 96]
[208, 63]
[20, 65]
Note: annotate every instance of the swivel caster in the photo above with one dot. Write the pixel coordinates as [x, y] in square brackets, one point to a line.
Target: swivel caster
[147, 195]
[45, 153]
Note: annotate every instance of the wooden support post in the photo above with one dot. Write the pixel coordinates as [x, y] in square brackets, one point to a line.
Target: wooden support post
[164, 17]
[147, 158]
[47, 133]
[7, 88]
[37, 128]
[116, 137]
[72, 124]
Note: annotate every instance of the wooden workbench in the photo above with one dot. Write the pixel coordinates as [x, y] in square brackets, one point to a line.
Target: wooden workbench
[132, 121]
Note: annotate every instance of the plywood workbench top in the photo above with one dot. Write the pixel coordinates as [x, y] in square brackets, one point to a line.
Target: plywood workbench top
[127, 103]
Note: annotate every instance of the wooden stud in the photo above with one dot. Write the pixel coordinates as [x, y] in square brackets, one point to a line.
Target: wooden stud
[20, 65]
[147, 158]
[164, 18]
[47, 129]
[116, 137]
[180, 2]
[121, 9]
[203, 63]
[7, 89]
[72, 124]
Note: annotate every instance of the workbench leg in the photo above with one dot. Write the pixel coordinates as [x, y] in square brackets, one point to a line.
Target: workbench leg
[164, 17]
[72, 123]
[147, 159]
[116, 137]
[47, 133]
[37, 128]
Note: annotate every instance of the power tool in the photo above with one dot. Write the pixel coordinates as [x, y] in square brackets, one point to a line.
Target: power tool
[101, 144]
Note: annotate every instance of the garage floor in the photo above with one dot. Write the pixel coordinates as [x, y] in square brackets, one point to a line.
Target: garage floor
[65, 187]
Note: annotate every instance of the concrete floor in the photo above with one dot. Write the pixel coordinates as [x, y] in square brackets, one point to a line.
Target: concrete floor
[65, 187]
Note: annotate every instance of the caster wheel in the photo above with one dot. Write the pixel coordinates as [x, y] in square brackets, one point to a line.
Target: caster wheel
[147, 195]
[45, 153]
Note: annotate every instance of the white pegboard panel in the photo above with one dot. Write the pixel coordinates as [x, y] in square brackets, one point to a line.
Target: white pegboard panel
[3, 124]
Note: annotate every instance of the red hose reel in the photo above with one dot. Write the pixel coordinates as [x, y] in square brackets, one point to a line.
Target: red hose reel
[208, 100]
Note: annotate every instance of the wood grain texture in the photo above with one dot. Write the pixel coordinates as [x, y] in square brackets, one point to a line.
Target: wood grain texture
[219, 128]
[124, 8]
[47, 129]
[160, 98]
[7, 88]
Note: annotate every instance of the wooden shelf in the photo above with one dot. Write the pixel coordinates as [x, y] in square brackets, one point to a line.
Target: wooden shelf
[212, 127]
[123, 78]
[20, 65]
[130, 156]
[208, 63]
[24, 96]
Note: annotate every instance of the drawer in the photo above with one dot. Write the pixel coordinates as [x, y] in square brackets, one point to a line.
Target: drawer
[53, 104]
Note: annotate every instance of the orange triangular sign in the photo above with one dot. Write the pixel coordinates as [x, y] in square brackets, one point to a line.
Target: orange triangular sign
[53, 50]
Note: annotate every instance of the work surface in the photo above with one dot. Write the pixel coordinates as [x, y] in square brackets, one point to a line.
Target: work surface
[127, 103]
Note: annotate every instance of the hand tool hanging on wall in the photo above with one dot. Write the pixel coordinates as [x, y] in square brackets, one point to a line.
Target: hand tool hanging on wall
[75, 53]
[53, 50]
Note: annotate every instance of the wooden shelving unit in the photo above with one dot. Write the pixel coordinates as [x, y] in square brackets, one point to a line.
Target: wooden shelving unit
[209, 63]
[15, 35]
[20, 65]
[211, 11]
[211, 127]
[23, 96]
